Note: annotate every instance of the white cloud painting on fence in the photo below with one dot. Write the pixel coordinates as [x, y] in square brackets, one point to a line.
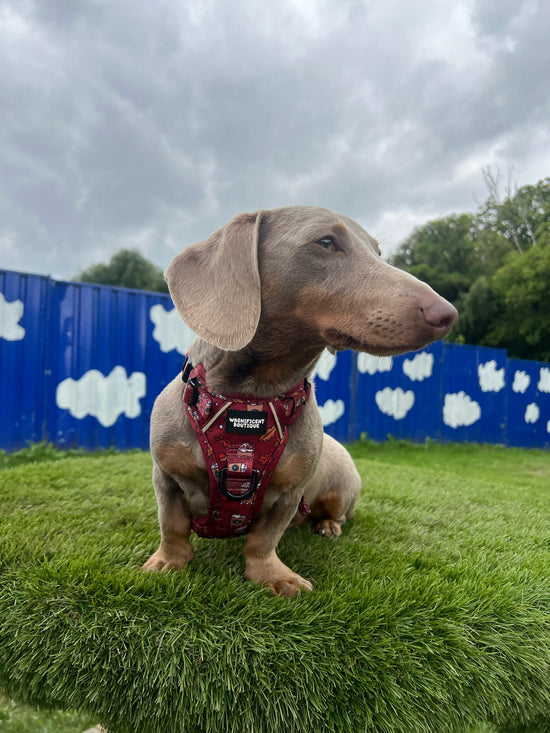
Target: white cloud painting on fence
[491, 379]
[369, 364]
[521, 381]
[170, 331]
[325, 365]
[420, 367]
[331, 411]
[544, 380]
[103, 397]
[10, 315]
[532, 413]
[460, 410]
[394, 402]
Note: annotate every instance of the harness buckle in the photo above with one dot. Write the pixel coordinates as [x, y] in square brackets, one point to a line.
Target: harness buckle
[191, 394]
[186, 369]
[239, 497]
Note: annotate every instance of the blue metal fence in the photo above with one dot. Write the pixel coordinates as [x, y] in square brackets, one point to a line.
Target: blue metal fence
[81, 365]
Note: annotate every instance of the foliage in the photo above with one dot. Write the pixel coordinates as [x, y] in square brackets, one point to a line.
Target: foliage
[522, 284]
[523, 217]
[475, 261]
[442, 253]
[480, 308]
[431, 613]
[128, 269]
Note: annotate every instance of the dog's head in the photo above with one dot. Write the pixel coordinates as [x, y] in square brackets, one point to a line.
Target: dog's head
[319, 269]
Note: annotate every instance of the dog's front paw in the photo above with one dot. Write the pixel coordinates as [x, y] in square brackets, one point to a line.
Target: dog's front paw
[275, 575]
[171, 559]
[289, 586]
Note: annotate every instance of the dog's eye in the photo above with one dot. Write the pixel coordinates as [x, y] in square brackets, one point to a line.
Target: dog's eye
[328, 243]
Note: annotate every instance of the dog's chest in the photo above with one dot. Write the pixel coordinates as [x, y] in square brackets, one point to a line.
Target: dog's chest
[242, 439]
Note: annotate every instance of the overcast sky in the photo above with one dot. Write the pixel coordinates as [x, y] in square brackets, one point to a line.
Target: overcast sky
[150, 124]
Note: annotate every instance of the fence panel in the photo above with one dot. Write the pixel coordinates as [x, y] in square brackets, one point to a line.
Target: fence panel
[473, 394]
[81, 365]
[528, 393]
[108, 366]
[23, 358]
[399, 395]
[334, 392]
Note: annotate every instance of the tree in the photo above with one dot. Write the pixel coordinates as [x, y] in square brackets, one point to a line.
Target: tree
[523, 287]
[493, 266]
[128, 269]
[443, 253]
[522, 217]
[480, 308]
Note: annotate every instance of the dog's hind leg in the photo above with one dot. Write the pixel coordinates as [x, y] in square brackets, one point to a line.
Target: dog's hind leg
[327, 514]
[333, 490]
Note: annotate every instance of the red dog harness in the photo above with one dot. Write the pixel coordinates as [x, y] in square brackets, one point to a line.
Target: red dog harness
[242, 438]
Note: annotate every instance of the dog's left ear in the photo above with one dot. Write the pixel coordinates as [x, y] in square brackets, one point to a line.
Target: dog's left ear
[215, 284]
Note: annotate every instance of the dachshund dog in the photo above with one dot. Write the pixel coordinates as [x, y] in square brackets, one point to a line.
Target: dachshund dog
[266, 294]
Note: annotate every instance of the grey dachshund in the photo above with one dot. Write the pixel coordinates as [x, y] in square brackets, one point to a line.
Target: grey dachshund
[266, 294]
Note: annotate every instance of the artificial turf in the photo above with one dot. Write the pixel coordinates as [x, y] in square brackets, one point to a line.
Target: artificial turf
[431, 613]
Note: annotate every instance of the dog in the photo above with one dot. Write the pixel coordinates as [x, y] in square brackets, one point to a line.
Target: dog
[265, 294]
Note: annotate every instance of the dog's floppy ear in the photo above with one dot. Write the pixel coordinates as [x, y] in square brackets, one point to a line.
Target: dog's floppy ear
[215, 284]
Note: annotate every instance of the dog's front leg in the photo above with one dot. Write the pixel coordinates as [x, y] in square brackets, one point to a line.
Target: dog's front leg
[175, 550]
[262, 564]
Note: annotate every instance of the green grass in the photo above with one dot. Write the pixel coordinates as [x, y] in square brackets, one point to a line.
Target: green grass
[15, 718]
[431, 613]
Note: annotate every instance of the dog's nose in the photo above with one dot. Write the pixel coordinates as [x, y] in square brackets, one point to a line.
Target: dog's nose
[440, 314]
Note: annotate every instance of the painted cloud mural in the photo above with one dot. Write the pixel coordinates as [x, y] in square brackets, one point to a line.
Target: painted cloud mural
[10, 314]
[394, 402]
[419, 367]
[491, 379]
[331, 411]
[105, 398]
[460, 410]
[521, 381]
[369, 364]
[532, 413]
[544, 380]
[170, 331]
[325, 365]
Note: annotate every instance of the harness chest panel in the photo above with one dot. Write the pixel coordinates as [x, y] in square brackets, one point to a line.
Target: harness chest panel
[242, 439]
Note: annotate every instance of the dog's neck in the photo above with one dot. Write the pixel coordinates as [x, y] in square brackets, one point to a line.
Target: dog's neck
[264, 368]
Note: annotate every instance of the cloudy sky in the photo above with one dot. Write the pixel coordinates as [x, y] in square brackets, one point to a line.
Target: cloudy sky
[148, 125]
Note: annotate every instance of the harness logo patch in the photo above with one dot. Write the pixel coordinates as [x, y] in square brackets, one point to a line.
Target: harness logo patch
[246, 423]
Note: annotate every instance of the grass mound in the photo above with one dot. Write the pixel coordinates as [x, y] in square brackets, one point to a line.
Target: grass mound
[431, 613]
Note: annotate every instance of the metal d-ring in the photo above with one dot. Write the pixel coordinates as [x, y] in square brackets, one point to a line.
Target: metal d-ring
[240, 497]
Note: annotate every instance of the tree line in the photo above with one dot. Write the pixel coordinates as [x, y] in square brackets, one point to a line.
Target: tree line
[493, 265]
[128, 268]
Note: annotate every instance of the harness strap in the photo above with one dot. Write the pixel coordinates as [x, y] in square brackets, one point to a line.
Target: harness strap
[274, 411]
[242, 439]
[213, 420]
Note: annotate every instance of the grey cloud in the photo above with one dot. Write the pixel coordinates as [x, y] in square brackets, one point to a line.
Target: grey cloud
[152, 124]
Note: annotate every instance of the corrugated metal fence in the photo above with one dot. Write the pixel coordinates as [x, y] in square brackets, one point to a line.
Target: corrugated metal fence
[81, 365]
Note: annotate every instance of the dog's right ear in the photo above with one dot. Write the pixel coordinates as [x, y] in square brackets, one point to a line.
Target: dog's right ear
[215, 284]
